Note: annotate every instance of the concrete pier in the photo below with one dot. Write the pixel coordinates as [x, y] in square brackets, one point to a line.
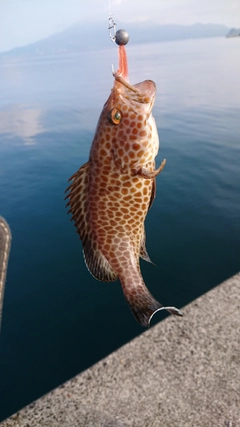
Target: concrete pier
[180, 373]
[5, 243]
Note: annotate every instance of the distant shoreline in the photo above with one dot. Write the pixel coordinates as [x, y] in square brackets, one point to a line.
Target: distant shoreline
[78, 37]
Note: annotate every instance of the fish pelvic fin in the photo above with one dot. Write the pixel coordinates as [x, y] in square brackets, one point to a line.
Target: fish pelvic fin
[146, 174]
[141, 302]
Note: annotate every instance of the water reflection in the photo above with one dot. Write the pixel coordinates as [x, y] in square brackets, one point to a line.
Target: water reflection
[23, 123]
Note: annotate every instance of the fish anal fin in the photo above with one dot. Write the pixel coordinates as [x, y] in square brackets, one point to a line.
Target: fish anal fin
[97, 263]
[153, 194]
[143, 251]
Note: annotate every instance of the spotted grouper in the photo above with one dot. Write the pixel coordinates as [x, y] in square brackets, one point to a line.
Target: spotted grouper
[111, 194]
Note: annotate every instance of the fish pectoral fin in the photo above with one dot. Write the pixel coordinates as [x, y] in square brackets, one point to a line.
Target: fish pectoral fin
[144, 173]
[97, 263]
[143, 251]
[78, 200]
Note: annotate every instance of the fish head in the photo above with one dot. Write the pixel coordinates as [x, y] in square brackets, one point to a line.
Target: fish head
[126, 120]
[126, 129]
[139, 97]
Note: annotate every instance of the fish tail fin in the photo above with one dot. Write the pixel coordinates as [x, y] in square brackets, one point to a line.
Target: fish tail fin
[141, 302]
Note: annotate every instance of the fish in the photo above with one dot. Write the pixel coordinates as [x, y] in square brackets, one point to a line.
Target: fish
[111, 194]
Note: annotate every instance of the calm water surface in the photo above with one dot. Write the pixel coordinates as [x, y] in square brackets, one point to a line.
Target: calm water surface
[57, 319]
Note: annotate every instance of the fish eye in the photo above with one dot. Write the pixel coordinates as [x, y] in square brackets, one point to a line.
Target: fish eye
[114, 116]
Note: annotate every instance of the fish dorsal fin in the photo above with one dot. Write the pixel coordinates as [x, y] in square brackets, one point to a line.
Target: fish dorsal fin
[143, 251]
[96, 262]
[78, 200]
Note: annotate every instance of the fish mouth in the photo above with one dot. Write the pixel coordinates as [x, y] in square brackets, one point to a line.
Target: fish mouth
[145, 91]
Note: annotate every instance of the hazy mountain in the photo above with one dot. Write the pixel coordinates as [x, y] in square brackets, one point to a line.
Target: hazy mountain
[234, 32]
[83, 37]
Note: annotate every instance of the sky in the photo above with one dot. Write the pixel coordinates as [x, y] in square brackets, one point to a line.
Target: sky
[26, 21]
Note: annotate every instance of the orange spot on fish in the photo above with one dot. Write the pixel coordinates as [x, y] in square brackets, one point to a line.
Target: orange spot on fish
[136, 146]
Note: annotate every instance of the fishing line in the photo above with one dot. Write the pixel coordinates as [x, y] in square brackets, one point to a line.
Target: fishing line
[109, 8]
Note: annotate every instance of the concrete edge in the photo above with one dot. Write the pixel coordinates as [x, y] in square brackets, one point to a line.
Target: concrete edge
[5, 243]
[180, 373]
